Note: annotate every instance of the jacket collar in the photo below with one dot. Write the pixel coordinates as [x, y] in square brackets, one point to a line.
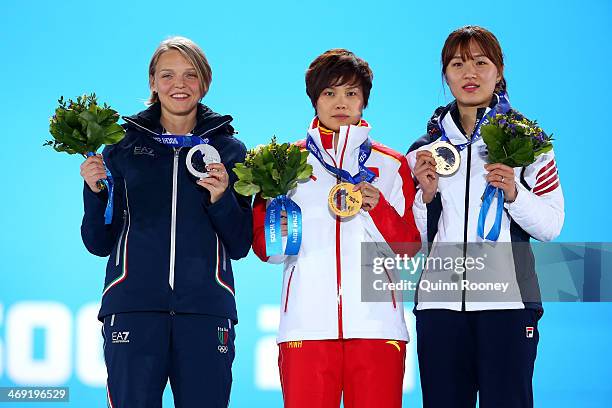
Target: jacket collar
[350, 138]
[449, 117]
[207, 121]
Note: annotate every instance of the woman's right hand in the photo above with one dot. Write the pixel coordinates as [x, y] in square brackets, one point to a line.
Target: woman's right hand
[93, 170]
[425, 172]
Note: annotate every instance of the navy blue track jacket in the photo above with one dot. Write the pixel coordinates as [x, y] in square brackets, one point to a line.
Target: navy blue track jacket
[169, 247]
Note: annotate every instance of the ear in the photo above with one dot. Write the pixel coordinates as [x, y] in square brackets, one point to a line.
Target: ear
[500, 75]
[152, 85]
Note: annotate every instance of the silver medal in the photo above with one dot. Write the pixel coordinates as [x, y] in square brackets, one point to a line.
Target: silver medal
[199, 157]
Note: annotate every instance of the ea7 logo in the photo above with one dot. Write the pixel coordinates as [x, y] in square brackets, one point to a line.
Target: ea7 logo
[143, 150]
[120, 337]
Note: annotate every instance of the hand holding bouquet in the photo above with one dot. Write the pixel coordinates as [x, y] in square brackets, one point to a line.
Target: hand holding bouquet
[274, 170]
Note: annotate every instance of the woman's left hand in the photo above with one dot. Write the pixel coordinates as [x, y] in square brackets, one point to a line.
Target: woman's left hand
[502, 176]
[370, 195]
[216, 182]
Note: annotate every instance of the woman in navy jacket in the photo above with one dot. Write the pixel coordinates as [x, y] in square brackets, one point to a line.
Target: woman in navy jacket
[168, 306]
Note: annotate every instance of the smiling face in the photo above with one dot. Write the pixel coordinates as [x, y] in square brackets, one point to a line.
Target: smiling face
[340, 105]
[472, 80]
[177, 84]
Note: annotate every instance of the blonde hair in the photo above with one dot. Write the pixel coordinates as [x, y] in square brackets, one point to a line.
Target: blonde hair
[191, 52]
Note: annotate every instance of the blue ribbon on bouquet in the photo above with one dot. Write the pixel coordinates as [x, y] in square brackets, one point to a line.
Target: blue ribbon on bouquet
[489, 194]
[272, 228]
[108, 183]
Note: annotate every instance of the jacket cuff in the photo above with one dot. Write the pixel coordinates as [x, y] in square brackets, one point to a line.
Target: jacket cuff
[418, 203]
[521, 201]
[94, 200]
[226, 204]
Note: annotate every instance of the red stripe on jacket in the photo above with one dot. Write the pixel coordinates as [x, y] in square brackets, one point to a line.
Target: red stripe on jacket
[543, 169]
[259, 235]
[398, 230]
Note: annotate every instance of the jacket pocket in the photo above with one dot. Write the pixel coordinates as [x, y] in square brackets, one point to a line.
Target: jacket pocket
[288, 288]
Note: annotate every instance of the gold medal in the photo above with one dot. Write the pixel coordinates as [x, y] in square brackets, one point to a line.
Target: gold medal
[343, 201]
[447, 158]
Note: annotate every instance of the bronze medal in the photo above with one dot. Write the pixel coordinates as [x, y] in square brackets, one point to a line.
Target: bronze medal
[447, 158]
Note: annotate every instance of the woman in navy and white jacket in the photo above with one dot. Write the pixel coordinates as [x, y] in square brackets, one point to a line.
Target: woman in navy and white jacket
[168, 307]
[471, 342]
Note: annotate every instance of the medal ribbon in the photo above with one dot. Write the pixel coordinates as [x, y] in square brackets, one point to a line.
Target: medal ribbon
[274, 244]
[364, 173]
[502, 106]
[180, 140]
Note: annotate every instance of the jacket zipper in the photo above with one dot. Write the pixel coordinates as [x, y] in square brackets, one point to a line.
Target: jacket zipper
[118, 251]
[465, 219]
[288, 288]
[338, 248]
[479, 115]
[173, 217]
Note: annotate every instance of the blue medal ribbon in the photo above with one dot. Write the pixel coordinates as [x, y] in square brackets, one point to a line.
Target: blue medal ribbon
[502, 106]
[274, 244]
[108, 183]
[180, 140]
[364, 173]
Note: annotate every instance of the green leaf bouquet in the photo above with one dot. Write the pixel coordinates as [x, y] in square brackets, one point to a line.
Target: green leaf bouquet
[272, 170]
[513, 140]
[83, 126]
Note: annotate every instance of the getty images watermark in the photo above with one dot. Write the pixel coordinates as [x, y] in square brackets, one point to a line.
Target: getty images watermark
[413, 264]
[487, 272]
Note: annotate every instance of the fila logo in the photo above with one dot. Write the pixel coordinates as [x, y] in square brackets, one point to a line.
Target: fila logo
[529, 332]
[120, 337]
[138, 150]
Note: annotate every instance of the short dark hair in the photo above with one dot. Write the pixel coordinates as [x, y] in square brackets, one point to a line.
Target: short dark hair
[338, 67]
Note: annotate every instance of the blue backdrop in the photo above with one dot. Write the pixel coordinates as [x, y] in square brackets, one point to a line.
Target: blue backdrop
[558, 59]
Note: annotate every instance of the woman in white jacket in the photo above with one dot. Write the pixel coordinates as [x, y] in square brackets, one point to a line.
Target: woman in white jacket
[331, 343]
[479, 342]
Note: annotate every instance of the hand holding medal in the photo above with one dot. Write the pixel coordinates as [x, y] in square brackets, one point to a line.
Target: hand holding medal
[204, 162]
[425, 170]
[447, 158]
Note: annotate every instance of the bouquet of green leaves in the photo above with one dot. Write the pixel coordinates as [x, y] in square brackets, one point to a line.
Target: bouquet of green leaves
[514, 140]
[83, 126]
[272, 170]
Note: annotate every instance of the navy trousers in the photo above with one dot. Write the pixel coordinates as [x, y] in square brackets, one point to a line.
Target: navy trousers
[143, 350]
[489, 354]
